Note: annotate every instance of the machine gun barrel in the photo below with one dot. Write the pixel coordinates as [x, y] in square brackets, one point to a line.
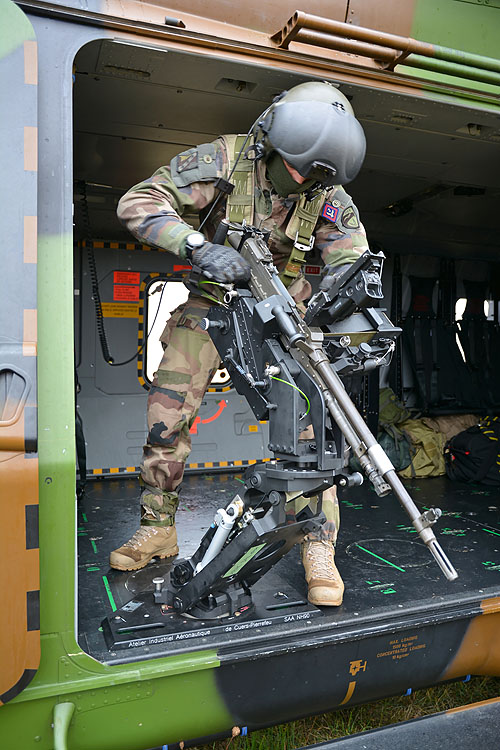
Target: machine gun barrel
[362, 440]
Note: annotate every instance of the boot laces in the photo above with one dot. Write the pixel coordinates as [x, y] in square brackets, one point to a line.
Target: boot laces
[141, 535]
[320, 556]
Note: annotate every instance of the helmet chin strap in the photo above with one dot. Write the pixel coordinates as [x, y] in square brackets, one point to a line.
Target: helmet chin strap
[315, 189]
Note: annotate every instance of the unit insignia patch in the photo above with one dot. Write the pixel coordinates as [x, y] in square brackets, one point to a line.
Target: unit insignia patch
[187, 160]
[349, 218]
[330, 212]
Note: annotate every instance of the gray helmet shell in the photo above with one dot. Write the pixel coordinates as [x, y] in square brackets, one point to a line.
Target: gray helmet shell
[314, 129]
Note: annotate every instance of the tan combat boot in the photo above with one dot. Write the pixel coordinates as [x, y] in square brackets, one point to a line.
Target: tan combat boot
[147, 542]
[326, 587]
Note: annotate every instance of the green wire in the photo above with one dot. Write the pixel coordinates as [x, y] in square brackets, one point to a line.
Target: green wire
[212, 299]
[207, 281]
[297, 389]
[208, 296]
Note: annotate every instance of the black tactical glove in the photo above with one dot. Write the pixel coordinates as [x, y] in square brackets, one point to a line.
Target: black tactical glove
[331, 274]
[221, 263]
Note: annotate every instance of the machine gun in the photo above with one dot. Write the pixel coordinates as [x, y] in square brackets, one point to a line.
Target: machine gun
[290, 368]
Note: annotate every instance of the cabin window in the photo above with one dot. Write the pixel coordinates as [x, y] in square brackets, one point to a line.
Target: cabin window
[162, 298]
[460, 307]
[459, 312]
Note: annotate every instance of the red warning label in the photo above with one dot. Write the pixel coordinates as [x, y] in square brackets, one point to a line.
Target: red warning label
[126, 277]
[125, 293]
[313, 270]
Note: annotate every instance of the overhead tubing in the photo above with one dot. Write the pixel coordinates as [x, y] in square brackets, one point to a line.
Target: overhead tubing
[387, 49]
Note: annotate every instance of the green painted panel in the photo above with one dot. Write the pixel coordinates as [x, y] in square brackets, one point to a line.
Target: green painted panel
[140, 713]
[56, 430]
[463, 25]
[14, 28]
[473, 27]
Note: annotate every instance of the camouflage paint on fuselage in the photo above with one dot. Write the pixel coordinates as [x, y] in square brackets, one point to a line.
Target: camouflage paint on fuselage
[19, 573]
[186, 696]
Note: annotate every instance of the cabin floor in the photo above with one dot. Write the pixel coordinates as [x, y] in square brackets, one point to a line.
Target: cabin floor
[389, 574]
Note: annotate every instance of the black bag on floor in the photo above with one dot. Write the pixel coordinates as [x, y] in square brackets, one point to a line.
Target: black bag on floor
[473, 455]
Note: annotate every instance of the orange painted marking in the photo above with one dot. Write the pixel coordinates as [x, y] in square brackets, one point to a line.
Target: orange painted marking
[30, 63]
[198, 420]
[348, 695]
[19, 648]
[29, 333]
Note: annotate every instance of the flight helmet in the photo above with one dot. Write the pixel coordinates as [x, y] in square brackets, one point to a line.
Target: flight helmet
[313, 128]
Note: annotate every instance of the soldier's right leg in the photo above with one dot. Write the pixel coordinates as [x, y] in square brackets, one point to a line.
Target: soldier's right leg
[189, 362]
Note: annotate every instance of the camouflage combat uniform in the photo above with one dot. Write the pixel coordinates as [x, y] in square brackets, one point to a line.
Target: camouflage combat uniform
[151, 211]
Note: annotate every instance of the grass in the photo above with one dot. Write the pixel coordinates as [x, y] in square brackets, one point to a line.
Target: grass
[348, 721]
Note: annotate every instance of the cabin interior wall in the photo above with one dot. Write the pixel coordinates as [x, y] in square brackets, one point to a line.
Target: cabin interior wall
[428, 190]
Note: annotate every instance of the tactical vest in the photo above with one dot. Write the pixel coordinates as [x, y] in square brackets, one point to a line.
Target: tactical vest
[241, 202]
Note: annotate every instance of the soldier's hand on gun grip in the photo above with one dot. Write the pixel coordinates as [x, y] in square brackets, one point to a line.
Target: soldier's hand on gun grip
[331, 274]
[221, 263]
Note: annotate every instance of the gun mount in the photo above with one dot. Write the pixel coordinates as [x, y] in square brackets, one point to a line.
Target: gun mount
[290, 369]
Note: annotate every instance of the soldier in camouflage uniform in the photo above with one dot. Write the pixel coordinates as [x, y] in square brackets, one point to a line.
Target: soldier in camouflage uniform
[152, 212]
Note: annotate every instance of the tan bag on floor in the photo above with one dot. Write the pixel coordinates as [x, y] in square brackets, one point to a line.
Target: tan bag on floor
[427, 454]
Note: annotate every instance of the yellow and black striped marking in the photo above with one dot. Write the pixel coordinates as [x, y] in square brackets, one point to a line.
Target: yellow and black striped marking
[234, 464]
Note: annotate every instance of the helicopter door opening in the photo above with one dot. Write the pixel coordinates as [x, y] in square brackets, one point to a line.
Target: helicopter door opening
[136, 107]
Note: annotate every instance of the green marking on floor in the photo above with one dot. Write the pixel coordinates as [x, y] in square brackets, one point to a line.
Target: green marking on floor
[492, 532]
[93, 546]
[110, 595]
[84, 516]
[94, 568]
[381, 558]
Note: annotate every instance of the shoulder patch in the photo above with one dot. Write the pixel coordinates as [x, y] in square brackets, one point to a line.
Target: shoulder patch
[195, 165]
[187, 160]
[349, 218]
[330, 211]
